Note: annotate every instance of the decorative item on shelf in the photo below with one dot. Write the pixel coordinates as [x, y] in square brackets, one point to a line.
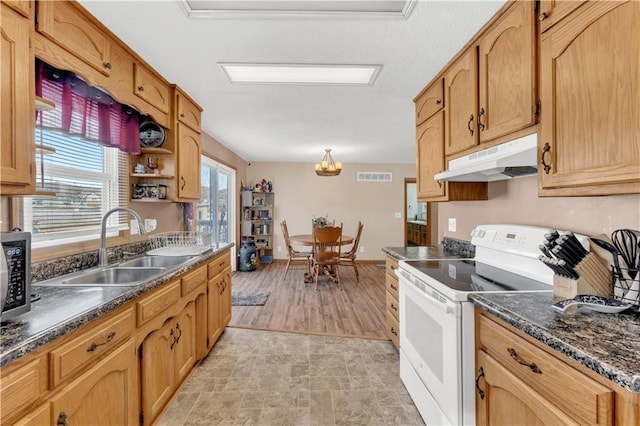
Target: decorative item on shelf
[139, 168]
[152, 191]
[152, 163]
[328, 167]
[152, 135]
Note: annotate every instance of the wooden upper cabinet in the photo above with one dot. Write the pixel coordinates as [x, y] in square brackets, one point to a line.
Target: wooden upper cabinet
[24, 7]
[430, 157]
[461, 88]
[151, 88]
[430, 101]
[69, 26]
[188, 153]
[507, 74]
[17, 149]
[552, 11]
[188, 112]
[590, 91]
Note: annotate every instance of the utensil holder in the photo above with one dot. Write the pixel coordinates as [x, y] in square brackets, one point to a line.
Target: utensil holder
[594, 279]
[624, 288]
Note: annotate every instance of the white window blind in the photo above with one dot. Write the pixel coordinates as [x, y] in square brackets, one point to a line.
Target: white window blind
[88, 179]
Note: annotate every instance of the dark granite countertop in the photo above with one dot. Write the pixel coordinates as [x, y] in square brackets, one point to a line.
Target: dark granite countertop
[449, 249]
[608, 344]
[61, 310]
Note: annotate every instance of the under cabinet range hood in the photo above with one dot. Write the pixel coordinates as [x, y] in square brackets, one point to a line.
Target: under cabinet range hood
[505, 161]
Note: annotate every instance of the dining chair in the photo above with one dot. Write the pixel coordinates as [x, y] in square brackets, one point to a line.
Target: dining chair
[294, 255]
[349, 258]
[326, 252]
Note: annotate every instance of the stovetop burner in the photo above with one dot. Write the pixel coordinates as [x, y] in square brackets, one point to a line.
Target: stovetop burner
[471, 276]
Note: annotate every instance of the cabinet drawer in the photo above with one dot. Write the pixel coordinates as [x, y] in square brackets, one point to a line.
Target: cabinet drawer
[392, 285]
[150, 88]
[22, 387]
[582, 398]
[218, 265]
[393, 330]
[392, 265]
[74, 356]
[430, 102]
[157, 302]
[392, 305]
[194, 279]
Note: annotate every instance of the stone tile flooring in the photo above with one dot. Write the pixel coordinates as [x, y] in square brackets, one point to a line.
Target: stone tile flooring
[254, 377]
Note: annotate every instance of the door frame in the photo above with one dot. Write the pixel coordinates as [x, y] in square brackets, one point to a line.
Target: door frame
[406, 219]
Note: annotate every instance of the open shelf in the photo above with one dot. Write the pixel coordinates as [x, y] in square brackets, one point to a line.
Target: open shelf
[43, 104]
[151, 175]
[155, 151]
[150, 200]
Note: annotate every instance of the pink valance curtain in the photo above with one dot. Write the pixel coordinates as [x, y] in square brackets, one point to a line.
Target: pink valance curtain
[85, 111]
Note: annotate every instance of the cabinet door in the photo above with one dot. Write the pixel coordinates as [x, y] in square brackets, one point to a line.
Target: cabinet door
[184, 348]
[150, 88]
[24, 7]
[461, 88]
[157, 370]
[590, 92]
[225, 299]
[430, 156]
[506, 400]
[214, 326]
[188, 163]
[552, 11]
[188, 112]
[507, 74]
[429, 102]
[106, 394]
[16, 102]
[65, 24]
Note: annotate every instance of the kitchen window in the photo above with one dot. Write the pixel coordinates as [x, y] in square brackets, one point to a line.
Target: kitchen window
[216, 209]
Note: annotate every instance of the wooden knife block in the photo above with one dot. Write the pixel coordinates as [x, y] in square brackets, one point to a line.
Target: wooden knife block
[595, 279]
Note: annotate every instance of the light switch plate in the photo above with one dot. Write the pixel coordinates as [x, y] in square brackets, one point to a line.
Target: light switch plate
[452, 224]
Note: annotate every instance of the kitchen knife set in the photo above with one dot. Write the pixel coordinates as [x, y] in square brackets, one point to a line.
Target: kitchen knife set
[576, 270]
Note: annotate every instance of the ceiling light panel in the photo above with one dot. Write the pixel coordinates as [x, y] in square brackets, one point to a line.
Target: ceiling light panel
[301, 73]
[356, 8]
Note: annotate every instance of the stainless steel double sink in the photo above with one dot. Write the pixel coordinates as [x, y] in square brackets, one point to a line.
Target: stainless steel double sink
[126, 274]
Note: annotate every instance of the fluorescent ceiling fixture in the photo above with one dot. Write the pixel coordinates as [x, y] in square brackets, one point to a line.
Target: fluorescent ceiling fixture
[301, 73]
[283, 8]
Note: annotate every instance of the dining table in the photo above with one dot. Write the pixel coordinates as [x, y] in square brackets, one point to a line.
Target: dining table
[307, 240]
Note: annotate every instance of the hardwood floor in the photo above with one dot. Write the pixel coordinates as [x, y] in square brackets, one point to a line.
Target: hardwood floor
[356, 311]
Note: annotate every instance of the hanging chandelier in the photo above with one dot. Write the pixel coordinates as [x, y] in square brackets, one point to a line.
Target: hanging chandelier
[328, 167]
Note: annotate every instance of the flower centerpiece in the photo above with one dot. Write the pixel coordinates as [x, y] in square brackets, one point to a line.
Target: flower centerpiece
[320, 221]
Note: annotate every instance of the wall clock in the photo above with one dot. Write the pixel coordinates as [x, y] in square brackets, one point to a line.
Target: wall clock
[152, 135]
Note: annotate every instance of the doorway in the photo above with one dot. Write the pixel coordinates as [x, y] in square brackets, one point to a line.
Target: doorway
[417, 226]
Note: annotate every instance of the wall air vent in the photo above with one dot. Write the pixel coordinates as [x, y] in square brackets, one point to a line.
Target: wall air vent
[375, 177]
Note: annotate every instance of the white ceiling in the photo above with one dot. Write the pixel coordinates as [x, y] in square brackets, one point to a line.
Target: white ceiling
[364, 124]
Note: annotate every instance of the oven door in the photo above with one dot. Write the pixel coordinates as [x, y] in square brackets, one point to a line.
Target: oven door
[430, 341]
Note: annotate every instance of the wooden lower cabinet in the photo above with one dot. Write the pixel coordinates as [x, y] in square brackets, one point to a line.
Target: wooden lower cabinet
[519, 382]
[218, 298]
[167, 356]
[105, 394]
[393, 306]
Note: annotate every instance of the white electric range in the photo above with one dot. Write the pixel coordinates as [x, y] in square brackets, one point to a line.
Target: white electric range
[437, 362]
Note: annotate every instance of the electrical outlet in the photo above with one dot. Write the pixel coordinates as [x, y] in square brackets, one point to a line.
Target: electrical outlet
[133, 227]
[279, 248]
[452, 224]
[361, 249]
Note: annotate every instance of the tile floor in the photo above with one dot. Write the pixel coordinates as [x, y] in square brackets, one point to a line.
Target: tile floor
[254, 377]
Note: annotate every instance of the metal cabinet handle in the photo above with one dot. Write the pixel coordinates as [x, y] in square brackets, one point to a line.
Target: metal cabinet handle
[107, 65]
[94, 345]
[394, 307]
[519, 360]
[393, 331]
[182, 115]
[545, 150]
[177, 339]
[140, 88]
[62, 419]
[438, 101]
[184, 182]
[478, 377]
[439, 183]
[469, 125]
[480, 123]
[543, 16]
[393, 287]
[173, 339]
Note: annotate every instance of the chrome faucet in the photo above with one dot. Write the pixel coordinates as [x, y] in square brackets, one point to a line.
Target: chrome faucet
[102, 254]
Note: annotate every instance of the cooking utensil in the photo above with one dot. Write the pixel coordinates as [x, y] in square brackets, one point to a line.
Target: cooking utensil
[614, 254]
[626, 242]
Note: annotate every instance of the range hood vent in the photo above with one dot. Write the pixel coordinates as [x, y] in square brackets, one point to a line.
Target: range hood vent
[505, 161]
